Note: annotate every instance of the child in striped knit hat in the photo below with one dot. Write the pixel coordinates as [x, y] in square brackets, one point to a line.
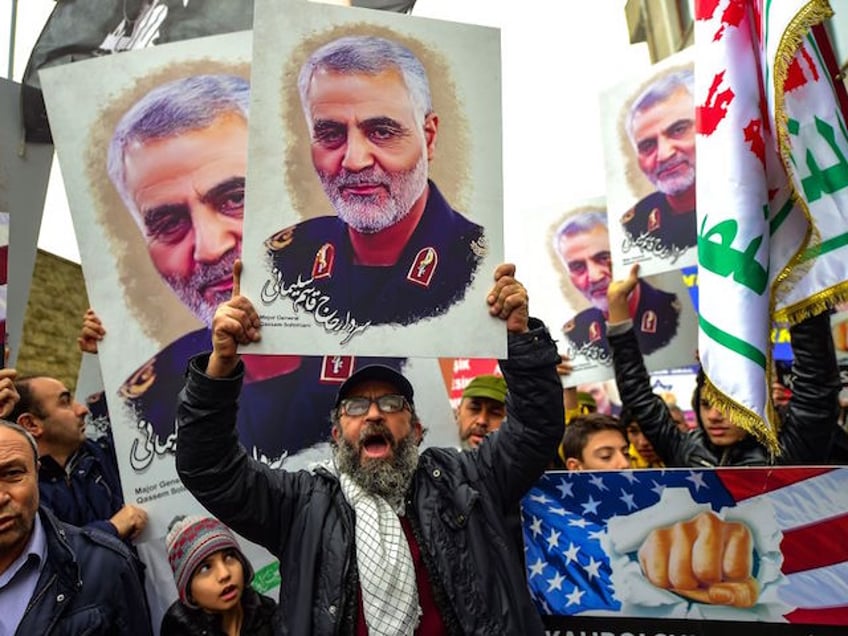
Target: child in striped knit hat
[213, 580]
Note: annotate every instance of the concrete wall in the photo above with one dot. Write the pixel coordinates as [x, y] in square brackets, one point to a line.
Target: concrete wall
[53, 319]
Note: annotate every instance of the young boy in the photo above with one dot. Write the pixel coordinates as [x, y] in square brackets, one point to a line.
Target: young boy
[595, 442]
[213, 580]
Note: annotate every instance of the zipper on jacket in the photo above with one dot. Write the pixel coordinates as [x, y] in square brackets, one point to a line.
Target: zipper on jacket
[37, 597]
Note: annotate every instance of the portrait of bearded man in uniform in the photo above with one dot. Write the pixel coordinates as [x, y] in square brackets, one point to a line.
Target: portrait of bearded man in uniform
[581, 242]
[395, 252]
[178, 159]
[660, 125]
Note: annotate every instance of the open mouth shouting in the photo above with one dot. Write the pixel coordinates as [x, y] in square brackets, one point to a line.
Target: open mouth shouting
[376, 443]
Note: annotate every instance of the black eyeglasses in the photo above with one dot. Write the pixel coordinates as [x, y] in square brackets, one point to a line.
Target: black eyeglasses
[356, 406]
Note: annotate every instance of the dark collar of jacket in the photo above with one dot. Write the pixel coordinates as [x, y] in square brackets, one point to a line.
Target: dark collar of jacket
[87, 453]
[746, 452]
[50, 470]
[260, 618]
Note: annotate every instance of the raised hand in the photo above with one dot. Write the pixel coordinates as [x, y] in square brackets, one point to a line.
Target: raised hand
[129, 521]
[8, 393]
[617, 294]
[508, 299]
[91, 333]
[235, 323]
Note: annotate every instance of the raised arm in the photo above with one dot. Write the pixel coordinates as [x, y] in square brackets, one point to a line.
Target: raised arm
[809, 427]
[516, 455]
[254, 500]
[634, 381]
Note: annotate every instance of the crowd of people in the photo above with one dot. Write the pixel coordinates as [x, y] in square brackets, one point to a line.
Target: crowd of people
[382, 537]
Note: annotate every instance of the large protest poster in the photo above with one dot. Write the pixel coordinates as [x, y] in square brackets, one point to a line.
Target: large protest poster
[373, 228]
[154, 159]
[567, 275]
[649, 156]
[24, 172]
[150, 332]
[707, 550]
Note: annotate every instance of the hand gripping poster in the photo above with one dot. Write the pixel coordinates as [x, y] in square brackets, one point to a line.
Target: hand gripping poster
[649, 155]
[374, 220]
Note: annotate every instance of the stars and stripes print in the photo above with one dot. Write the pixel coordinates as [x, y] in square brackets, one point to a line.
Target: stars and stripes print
[565, 519]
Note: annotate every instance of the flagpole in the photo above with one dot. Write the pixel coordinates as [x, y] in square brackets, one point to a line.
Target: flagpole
[12, 29]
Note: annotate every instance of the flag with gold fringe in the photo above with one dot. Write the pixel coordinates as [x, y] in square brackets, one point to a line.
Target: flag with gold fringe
[772, 190]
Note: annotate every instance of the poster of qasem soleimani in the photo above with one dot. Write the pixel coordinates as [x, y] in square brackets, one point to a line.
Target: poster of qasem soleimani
[154, 157]
[568, 276]
[374, 220]
[648, 126]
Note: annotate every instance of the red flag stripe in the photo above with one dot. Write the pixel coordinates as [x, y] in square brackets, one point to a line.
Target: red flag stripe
[4, 264]
[744, 483]
[815, 546]
[829, 616]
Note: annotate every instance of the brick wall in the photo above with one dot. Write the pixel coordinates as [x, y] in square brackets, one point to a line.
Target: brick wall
[53, 318]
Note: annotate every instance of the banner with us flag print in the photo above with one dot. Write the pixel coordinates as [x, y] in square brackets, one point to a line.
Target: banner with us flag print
[772, 184]
[742, 545]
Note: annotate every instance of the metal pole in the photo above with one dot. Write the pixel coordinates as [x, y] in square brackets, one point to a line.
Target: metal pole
[12, 30]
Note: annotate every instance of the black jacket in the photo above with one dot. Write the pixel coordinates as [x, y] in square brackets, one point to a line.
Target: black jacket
[88, 491]
[88, 585]
[459, 504]
[260, 618]
[807, 428]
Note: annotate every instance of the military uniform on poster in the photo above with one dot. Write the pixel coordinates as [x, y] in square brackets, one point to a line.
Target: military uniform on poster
[653, 217]
[304, 395]
[433, 272]
[655, 321]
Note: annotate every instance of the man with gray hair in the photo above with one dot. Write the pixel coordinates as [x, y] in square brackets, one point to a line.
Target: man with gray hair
[396, 252]
[661, 126]
[56, 578]
[178, 158]
[581, 242]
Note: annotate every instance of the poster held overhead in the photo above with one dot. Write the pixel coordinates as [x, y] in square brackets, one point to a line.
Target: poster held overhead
[373, 212]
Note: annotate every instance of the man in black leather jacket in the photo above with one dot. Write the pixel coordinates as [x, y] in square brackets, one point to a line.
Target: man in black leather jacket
[453, 507]
[808, 426]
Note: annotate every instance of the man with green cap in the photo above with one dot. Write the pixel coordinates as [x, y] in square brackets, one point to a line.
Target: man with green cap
[481, 410]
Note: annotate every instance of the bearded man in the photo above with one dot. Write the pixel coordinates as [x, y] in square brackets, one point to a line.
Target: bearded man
[178, 158]
[382, 539]
[661, 127]
[395, 252]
